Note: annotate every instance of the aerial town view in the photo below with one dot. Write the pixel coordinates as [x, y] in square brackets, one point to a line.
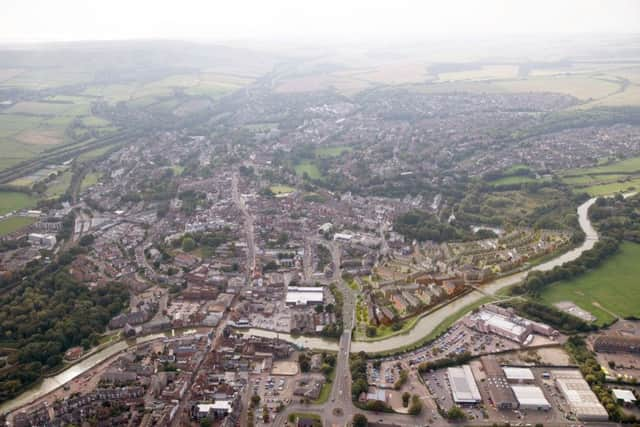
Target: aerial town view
[360, 214]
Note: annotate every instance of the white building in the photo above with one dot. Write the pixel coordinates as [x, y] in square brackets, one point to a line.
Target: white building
[343, 237]
[518, 375]
[44, 240]
[582, 401]
[625, 396]
[304, 295]
[463, 385]
[530, 397]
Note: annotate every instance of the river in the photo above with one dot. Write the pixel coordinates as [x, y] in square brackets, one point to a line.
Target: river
[423, 327]
[428, 323]
[49, 384]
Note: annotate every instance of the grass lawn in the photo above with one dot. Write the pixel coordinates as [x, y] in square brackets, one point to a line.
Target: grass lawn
[515, 179]
[89, 180]
[613, 187]
[59, 186]
[281, 189]
[12, 200]
[309, 168]
[629, 165]
[325, 392]
[614, 286]
[14, 223]
[332, 151]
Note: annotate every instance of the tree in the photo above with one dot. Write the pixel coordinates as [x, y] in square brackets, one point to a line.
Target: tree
[265, 414]
[188, 244]
[304, 362]
[255, 400]
[405, 399]
[416, 405]
[372, 331]
[359, 420]
[456, 413]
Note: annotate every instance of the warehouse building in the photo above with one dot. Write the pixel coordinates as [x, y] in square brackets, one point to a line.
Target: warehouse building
[463, 385]
[531, 397]
[505, 323]
[499, 390]
[304, 295]
[617, 344]
[582, 401]
[518, 375]
[624, 396]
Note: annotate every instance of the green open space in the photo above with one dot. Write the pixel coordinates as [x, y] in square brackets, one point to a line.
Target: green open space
[281, 189]
[89, 180]
[629, 165]
[59, 186]
[13, 200]
[332, 151]
[612, 287]
[14, 223]
[309, 168]
[515, 179]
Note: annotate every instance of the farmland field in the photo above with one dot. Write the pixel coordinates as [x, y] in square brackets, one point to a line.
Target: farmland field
[12, 200]
[612, 287]
[14, 223]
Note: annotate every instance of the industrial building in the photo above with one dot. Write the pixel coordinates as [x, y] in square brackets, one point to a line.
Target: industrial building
[463, 385]
[499, 389]
[582, 401]
[502, 322]
[624, 396]
[531, 397]
[617, 344]
[304, 295]
[518, 375]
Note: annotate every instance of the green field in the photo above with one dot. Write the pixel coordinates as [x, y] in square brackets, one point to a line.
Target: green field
[89, 180]
[309, 168]
[14, 223]
[12, 200]
[332, 151]
[59, 186]
[606, 179]
[281, 189]
[629, 165]
[614, 286]
[515, 179]
[613, 187]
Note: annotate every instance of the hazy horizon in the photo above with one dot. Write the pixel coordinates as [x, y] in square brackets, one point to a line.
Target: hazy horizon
[327, 22]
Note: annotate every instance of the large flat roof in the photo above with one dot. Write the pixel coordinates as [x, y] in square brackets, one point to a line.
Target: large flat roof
[463, 385]
[530, 395]
[518, 374]
[578, 394]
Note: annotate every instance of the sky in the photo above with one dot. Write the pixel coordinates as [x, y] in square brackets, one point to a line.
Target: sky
[312, 20]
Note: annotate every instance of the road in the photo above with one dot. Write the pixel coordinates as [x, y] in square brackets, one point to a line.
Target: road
[248, 225]
[429, 322]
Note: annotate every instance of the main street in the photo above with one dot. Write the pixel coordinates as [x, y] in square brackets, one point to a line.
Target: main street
[248, 225]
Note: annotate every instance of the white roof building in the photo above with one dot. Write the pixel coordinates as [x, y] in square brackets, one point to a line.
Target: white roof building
[530, 397]
[582, 401]
[463, 385]
[626, 396]
[518, 375]
[303, 295]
